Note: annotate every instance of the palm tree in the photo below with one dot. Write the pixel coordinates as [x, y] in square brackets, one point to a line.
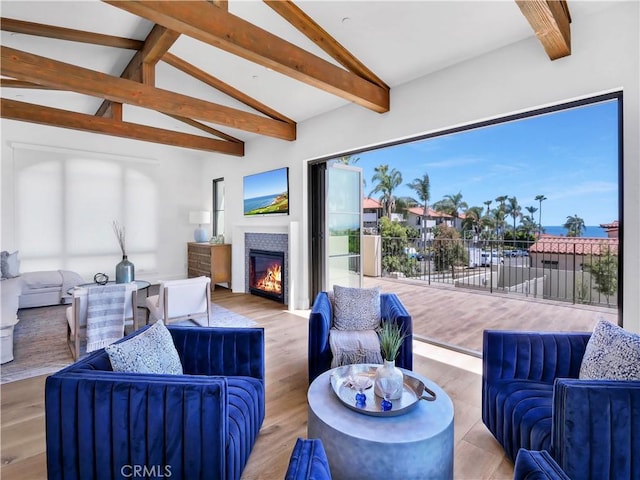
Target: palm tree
[472, 219]
[422, 187]
[514, 211]
[488, 204]
[501, 200]
[499, 215]
[453, 204]
[540, 199]
[528, 225]
[348, 160]
[388, 181]
[574, 225]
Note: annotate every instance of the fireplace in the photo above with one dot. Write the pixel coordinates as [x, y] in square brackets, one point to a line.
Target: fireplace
[267, 274]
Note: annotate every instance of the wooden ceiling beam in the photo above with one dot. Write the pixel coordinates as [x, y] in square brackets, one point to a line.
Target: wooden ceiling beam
[215, 26]
[314, 32]
[157, 43]
[27, 112]
[11, 83]
[550, 20]
[52, 73]
[141, 68]
[206, 128]
[60, 33]
[225, 88]
[224, 4]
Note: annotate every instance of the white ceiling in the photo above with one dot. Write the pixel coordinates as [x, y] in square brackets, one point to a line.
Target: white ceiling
[398, 40]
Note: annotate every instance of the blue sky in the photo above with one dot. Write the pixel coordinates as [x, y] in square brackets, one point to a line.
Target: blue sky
[272, 182]
[569, 156]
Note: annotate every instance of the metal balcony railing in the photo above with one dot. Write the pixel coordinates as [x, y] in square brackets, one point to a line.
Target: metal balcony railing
[584, 272]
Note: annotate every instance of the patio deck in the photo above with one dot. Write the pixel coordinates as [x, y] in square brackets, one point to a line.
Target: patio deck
[457, 316]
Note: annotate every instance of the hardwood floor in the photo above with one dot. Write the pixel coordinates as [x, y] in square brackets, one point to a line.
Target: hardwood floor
[477, 455]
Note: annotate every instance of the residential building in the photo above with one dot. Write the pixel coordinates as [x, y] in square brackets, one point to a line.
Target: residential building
[371, 213]
[612, 228]
[416, 219]
[569, 253]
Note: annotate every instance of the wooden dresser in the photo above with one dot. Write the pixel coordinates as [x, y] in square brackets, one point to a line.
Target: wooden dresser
[214, 261]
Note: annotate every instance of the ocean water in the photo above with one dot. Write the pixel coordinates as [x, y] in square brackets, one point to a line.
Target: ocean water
[258, 202]
[593, 231]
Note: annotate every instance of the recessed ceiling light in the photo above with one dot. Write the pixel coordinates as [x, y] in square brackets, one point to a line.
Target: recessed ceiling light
[346, 20]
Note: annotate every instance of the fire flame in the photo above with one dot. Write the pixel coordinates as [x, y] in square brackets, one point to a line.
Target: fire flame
[272, 281]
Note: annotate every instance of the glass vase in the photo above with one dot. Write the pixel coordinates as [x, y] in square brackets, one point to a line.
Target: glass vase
[125, 271]
[388, 382]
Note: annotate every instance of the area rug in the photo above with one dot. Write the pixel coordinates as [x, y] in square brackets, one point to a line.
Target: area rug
[40, 340]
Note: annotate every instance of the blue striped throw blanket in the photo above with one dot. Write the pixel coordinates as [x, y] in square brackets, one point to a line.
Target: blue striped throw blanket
[105, 315]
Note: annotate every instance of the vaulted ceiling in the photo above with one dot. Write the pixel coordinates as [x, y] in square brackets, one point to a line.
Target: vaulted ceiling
[211, 75]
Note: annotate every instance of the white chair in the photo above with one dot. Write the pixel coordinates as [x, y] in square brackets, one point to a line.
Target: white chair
[180, 300]
[77, 315]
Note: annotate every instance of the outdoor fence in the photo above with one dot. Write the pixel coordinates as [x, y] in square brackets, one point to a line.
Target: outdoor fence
[585, 274]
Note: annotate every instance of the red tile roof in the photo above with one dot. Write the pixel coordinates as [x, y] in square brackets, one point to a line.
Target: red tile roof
[431, 213]
[371, 203]
[571, 245]
[614, 224]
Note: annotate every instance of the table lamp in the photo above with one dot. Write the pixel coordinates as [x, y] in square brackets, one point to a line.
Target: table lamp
[200, 218]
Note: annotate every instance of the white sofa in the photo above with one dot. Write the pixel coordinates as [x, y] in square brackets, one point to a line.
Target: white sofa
[31, 289]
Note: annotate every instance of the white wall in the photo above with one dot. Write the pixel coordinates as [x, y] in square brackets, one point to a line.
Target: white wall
[180, 188]
[513, 79]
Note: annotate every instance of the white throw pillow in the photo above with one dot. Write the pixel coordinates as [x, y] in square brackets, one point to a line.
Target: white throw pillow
[612, 353]
[151, 351]
[9, 264]
[356, 308]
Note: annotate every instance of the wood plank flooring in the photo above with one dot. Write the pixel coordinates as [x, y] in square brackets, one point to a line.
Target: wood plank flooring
[477, 455]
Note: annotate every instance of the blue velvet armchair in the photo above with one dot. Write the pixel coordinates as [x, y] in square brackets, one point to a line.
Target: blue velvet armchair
[308, 461]
[537, 465]
[200, 425]
[321, 320]
[532, 399]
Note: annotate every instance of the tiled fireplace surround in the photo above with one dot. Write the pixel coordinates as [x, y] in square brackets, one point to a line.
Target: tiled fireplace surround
[275, 242]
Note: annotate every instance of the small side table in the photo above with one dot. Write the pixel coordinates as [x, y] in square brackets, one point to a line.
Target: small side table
[415, 445]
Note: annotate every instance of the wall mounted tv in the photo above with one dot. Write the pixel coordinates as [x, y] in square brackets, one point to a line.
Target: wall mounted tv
[267, 193]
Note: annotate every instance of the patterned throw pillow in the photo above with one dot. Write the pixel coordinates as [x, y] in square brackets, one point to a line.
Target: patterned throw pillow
[151, 351]
[612, 353]
[356, 308]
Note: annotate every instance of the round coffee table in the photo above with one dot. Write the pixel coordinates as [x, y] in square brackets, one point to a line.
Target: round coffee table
[414, 445]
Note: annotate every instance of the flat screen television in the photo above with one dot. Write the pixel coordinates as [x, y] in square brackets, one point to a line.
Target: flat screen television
[266, 193]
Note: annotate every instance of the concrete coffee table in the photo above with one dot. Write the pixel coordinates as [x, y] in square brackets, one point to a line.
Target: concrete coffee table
[415, 445]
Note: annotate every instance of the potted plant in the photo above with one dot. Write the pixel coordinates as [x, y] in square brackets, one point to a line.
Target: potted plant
[389, 379]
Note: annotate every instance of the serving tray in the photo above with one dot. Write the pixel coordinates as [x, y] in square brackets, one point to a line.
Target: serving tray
[342, 380]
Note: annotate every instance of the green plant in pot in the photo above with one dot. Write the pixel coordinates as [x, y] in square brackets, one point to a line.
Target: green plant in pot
[388, 382]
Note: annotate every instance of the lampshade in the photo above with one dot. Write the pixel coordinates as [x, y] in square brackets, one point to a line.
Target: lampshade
[199, 218]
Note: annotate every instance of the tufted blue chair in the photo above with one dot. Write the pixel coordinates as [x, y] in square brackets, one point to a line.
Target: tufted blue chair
[308, 461]
[537, 465]
[200, 425]
[321, 320]
[532, 399]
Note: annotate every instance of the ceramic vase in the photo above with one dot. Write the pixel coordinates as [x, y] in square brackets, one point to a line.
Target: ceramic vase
[125, 271]
[388, 381]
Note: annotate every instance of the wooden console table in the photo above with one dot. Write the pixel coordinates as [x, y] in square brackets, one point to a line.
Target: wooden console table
[213, 261]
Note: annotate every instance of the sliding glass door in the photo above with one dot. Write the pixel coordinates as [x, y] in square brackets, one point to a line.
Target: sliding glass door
[343, 226]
